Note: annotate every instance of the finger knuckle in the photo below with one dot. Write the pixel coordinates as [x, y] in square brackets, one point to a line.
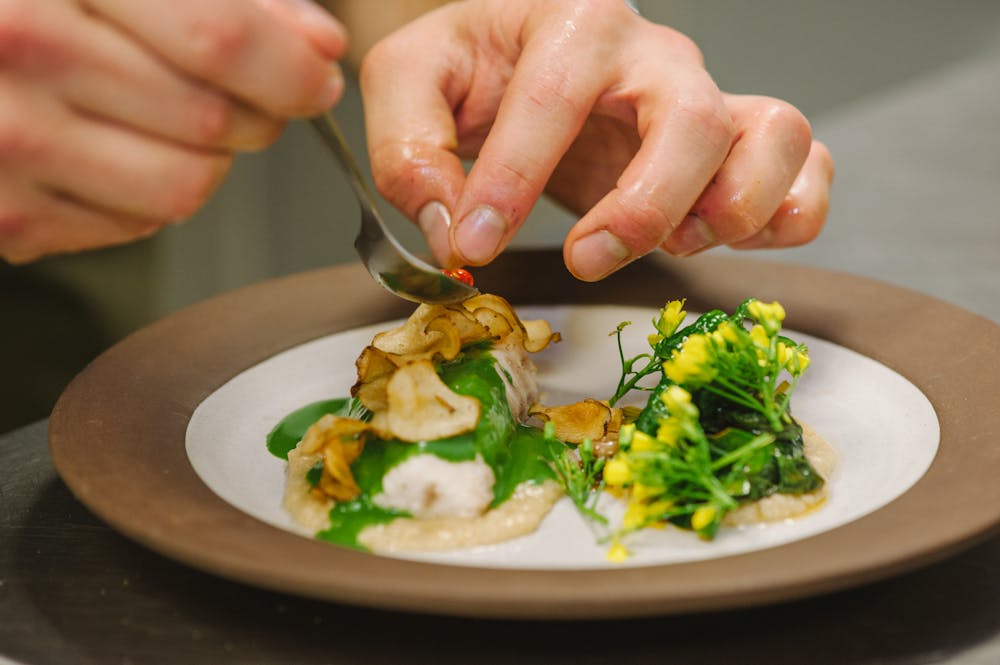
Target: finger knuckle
[18, 30]
[214, 120]
[21, 142]
[397, 169]
[708, 118]
[739, 219]
[679, 46]
[552, 92]
[520, 178]
[391, 167]
[216, 42]
[642, 224]
[304, 86]
[791, 124]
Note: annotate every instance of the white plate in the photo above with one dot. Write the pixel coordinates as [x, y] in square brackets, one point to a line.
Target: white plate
[883, 428]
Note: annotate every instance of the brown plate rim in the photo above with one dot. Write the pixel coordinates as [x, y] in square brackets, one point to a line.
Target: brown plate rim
[117, 440]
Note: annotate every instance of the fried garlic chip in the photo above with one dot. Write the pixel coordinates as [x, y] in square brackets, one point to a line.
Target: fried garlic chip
[341, 441]
[438, 332]
[375, 368]
[538, 335]
[432, 332]
[498, 316]
[422, 408]
[590, 419]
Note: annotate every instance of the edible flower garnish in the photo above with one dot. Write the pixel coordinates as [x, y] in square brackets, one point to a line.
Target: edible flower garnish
[716, 430]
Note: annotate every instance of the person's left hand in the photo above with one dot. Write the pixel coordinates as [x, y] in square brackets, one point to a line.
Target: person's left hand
[119, 117]
[612, 115]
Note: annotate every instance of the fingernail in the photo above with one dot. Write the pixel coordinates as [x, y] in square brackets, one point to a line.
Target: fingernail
[597, 255]
[434, 220]
[691, 236]
[333, 88]
[479, 235]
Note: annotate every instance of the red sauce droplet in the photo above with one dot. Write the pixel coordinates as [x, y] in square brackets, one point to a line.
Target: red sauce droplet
[461, 274]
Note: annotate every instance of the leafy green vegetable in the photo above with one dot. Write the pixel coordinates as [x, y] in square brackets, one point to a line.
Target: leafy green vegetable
[716, 430]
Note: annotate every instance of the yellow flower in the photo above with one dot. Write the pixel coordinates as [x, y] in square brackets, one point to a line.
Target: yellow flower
[692, 361]
[726, 333]
[642, 442]
[760, 337]
[641, 492]
[657, 508]
[794, 359]
[785, 354]
[670, 317]
[640, 514]
[678, 403]
[635, 516]
[768, 315]
[616, 472]
[670, 431]
[801, 362]
[617, 553]
[683, 414]
[676, 399]
[702, 517]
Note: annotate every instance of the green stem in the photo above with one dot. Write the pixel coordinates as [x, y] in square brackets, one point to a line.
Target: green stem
[759, 441]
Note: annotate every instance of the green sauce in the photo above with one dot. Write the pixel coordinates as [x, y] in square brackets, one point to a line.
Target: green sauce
[290, 430]
[514, 452]
[349, 519]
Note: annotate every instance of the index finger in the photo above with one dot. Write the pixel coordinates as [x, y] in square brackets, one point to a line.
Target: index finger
[411, 130]
[556, 81]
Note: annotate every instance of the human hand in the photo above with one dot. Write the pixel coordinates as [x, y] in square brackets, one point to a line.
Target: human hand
[120, 116]
[612, 115]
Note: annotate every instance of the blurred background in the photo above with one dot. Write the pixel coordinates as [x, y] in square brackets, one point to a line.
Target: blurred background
[885, 84]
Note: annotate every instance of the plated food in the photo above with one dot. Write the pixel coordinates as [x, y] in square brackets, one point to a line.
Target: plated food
[444, 443]
[906, 420]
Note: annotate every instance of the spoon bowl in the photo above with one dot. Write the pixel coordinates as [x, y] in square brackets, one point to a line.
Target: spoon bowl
[392, 266]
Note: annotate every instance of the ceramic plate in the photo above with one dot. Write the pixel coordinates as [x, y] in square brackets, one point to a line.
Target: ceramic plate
[163, 437]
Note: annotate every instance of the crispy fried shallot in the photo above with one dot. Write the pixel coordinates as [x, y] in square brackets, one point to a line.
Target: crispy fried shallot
[341, 441]
[590, 419]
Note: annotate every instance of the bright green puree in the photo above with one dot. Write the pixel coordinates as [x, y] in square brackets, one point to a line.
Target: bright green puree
[516, 453]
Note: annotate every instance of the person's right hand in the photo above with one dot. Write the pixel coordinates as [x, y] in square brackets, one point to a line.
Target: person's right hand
[120, 116]
[612, 115]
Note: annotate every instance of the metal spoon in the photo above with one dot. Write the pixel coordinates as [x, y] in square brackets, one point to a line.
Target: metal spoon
[388, 261]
